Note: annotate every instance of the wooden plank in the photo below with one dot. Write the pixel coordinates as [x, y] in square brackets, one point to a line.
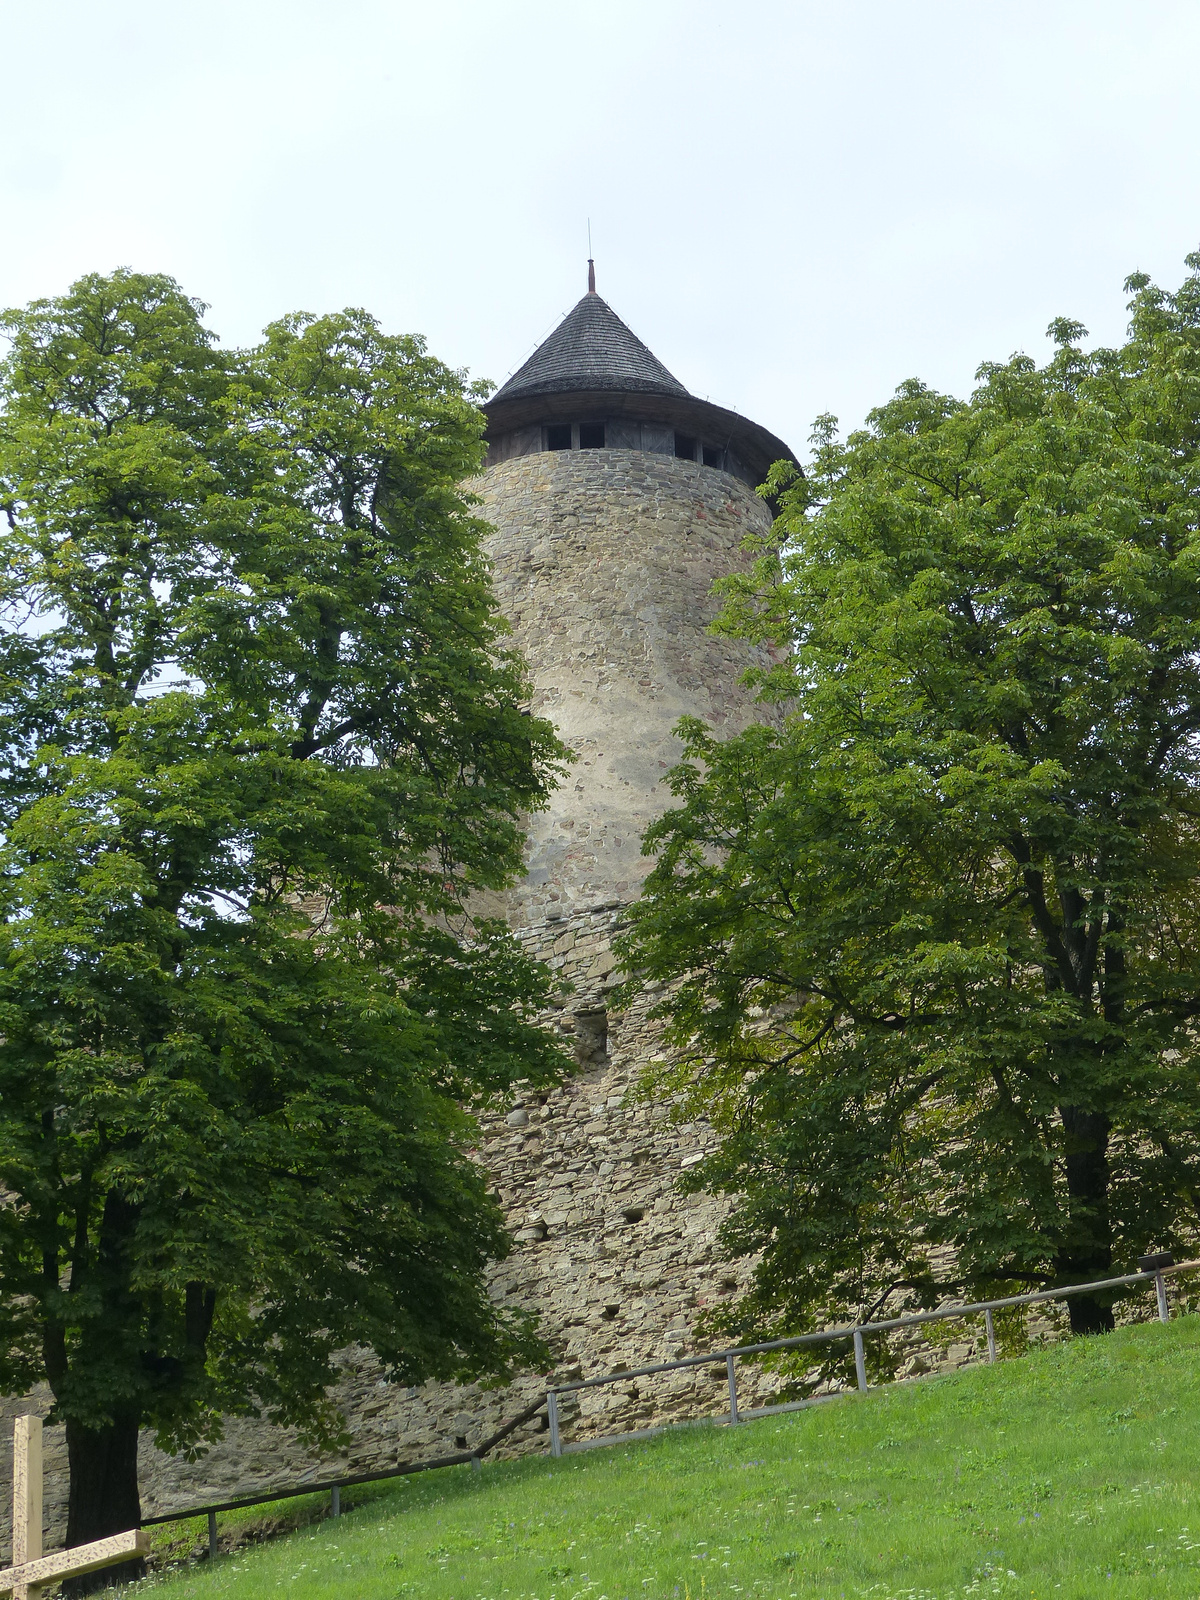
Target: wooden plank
[79, 1559]
[27, 1490]
[27, 1499]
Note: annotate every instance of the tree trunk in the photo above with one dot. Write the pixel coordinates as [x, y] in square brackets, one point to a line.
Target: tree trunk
[1087, 1250]
[104, 1495]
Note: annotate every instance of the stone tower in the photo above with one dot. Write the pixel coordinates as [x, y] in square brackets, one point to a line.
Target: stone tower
[617, 499]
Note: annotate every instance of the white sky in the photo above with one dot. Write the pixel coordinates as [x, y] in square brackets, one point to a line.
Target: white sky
[795, 205]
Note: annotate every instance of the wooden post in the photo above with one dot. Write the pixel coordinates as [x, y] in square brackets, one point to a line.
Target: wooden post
[991, 1333]
[27, 1500]
[552, 1413]
[30, 1569]
[860, 1362]
[212, 1535]
[1160, 1284]
[733, 1416]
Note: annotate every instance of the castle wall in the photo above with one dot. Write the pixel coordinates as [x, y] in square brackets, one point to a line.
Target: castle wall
[604, 563]
[615, 1262]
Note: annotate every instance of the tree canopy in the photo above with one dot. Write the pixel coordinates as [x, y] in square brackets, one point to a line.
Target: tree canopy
[932, 939]
[263, 740]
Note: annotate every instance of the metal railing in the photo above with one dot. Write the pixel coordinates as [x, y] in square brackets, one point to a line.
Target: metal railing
[854, 1333]
[549, 1402]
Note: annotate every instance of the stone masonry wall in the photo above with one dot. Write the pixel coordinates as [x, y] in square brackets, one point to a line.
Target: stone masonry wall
[604, 563]
[614, 1261]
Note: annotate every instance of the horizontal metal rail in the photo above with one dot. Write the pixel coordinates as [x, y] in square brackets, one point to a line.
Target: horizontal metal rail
[548, 1402]
[918, 1319]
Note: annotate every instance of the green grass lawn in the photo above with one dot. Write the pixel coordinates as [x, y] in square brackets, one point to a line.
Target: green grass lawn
[1073, 1472]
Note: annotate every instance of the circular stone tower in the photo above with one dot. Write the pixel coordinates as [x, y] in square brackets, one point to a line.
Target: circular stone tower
[617, 501]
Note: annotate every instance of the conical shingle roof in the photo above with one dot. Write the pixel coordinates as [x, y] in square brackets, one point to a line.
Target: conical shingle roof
[590, 349]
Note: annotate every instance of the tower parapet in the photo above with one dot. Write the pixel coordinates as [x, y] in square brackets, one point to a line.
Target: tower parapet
[593, 385]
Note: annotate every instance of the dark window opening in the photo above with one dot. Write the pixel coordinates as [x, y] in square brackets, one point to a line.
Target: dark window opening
[633, 1213]
[591, 1038]
[685, 447]
[713, 457]
[460, 1441]
[611, 1313]
[558, 437]
[591, 436]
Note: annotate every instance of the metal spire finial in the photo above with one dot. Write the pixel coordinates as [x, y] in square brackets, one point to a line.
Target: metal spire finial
[591, 263]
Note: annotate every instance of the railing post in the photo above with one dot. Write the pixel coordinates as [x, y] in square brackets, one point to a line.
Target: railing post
[212, 1535]
[335, 1501]
[1160, 1284]
[552, 1412]
[476, 1464]
[991, 1334]
[860, 1363]
[733, 1416]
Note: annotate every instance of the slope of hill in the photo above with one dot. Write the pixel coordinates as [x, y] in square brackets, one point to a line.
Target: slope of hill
[1070, 1474]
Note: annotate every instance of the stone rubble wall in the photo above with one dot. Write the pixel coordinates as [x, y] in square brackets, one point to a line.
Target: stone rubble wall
[614, 1261]
[604, 563]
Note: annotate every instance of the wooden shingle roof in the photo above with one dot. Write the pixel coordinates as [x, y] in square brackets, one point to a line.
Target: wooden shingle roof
[590, 349]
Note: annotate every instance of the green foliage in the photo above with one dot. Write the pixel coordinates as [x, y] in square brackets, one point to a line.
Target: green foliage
[1071, 1473]
[933, 936]
[263, 740]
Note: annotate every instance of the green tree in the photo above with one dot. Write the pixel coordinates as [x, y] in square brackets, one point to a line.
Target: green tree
[934, 937]
[262, 742]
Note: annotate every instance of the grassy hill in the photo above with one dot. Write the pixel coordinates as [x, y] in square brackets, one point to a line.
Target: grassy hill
[1070, 1474]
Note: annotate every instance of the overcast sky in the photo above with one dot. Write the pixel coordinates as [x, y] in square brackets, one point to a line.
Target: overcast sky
[796, 206]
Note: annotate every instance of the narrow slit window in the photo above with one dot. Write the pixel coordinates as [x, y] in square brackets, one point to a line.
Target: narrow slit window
[591, 1039]
[591, 436]
[558, 436]
[713, 457]
[685, 447]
